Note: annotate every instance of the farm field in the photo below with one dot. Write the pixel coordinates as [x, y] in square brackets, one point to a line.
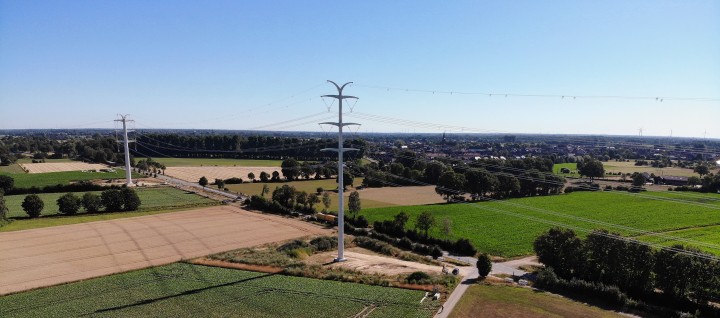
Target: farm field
[571, 166]
[29, 160]
[61, 166]
[508, 228]
[154, 200]
[504, 301]
[707, 234]
[630, 167]
[185, 290]
[27, 180]
[220, 162]
[369, 197]
[193, 174]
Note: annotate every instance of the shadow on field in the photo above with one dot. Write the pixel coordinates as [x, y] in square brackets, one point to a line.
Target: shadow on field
[185, 293]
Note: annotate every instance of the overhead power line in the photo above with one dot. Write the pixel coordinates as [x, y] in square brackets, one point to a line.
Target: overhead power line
[658, 98]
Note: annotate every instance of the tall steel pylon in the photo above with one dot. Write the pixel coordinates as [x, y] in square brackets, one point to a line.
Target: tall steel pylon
[126, 142]
[340, 150]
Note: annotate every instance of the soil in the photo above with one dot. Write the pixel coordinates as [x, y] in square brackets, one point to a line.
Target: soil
[55, 255]
[366, 261]
[61, 166]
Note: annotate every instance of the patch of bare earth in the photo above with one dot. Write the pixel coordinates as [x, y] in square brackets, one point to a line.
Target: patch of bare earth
[402, 195]
[193, 174]
[360, 259]
[55, 255]
[61, 166]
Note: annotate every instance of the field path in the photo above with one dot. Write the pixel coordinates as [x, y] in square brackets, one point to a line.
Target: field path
[50, 256]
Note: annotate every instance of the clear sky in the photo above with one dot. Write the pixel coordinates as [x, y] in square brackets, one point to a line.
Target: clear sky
[256, 64]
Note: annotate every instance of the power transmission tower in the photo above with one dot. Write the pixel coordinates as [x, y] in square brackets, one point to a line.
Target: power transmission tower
[126, 142]
[340, 150]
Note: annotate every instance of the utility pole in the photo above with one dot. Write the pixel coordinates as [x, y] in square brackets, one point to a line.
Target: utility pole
[340, 150]
[126, 142]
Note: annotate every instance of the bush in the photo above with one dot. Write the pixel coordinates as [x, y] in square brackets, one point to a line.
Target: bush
[295, 244]
[361, 221]
[436, 252]
[68, 204]
[324, 243]
[405, 243]
[484, 265]
[112, 200]
[419, 278]
[234, 180]
[131, 201]
[6, 183]
[33, 205]
[91, 202]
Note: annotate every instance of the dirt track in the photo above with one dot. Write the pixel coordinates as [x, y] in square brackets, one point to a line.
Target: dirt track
[50, 256]
[193, 174]
[60, 166]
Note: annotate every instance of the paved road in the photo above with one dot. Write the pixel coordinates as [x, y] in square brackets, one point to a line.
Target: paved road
[469, 276]
[177, 181]
[49, 256]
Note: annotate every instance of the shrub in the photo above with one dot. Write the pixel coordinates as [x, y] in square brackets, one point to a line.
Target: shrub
[233, 180]
[436, 252]
[91, 202]
[484, 265]
[324, 243]
[68, 204]
[112, 200]
[295, 244]
[33, 205]
[418, 278]
[131, 201]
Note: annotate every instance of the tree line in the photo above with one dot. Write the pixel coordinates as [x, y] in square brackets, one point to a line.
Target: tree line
[664, 276]
[111, 200]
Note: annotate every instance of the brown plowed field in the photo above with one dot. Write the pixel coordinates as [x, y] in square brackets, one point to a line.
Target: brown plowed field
[50, 256]
[60, 166]
[193, 174]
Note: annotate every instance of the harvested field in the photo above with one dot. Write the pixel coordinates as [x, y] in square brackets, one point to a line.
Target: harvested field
[630, 167]
[193, 174]
[362, 260]
[61, 254]
[402, 195]
[61, 166]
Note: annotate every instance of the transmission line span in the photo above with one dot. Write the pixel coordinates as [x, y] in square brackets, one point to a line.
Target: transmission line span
[340, 150]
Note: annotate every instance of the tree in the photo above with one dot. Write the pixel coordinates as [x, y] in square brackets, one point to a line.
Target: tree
[591, 168]
[284, 195]
[446, 227]
[638, 179]
[68, 204]
[348, 179]
[264, 176]
[424, 222]
[560, 249]
[484, 265]
[275, 176]
[401, 219]
[480, 181]
[301, 198]
[306, 170]
[354, 203]
[220, 183]
[449, 184]
[131, 201]
[3, 206]
[91, 202]
[6, 183]
[112, 200]
[312, 200]
[251, 176]
[33, 205]
[694, 180]
[290, 169]
[326, 201]
[433, 171]
[265, 190]
[203, 181]
[701, 169]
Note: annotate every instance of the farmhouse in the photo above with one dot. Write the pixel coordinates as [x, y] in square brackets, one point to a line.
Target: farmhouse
[673, 180]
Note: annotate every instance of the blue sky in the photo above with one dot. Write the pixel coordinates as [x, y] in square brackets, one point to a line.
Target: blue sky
[243, 64]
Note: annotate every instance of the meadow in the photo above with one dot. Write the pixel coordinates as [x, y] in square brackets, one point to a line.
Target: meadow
[185, 290]
[27, 180]
[508, 228]
[221, 162]
[154, 200]
[571, 166]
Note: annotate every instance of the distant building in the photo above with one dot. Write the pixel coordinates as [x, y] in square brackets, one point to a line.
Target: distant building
[673, 180]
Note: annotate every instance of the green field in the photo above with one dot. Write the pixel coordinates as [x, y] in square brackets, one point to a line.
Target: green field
[185, 290]
[571, 166]
[503, 228]
[309, 186]
[505, 301]
[197, 162]
[154, 200]
[27, 180]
